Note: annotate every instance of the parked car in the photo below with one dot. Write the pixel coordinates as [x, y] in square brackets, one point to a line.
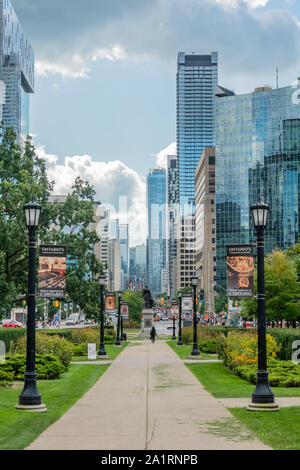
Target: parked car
[11, 324]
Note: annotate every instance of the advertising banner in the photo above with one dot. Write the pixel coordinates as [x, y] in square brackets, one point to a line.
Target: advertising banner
[174, 308]
[124, 310]
[187, 303]
[240, 267]
[52, 271]
[110, 301]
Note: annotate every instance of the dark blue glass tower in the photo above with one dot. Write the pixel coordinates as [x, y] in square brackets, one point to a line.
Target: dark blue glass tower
[156, 240]
[257, 155]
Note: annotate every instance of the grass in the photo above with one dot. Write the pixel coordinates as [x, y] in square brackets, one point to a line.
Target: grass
[222, 383]
[111, 353]
[280, 430]
[184, 351]
[19, 428]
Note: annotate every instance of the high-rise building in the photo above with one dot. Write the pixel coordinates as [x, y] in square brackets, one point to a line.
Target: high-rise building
[114, 261]
[16, 72]
[141, 265]
[156, 239]
[257, 156]
[101, 226]
[205, 226]
[172, 215]
[124, 237]
[197, 77]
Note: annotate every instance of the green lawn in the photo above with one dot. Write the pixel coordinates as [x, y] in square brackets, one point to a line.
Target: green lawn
[280, 430]
[19, 428]
[111, 353]
[222, 383]
[184, 351]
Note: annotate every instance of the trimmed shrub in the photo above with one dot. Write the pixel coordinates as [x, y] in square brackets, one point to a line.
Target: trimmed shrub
[45, 344]
[80, 349]
[47, 367]
[7, 335]
[281, 373]
[209, 346]
[285, 337]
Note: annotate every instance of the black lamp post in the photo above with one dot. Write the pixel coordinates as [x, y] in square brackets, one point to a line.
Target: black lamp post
[30, 399]
[102, 351]
[179, 342]
[122, 332]
[118, 342]
[195, 351]
[174, 328]
[262, 397]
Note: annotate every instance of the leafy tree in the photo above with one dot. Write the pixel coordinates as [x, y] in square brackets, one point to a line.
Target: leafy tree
[281, 286]
[135, 304]
[23, 176]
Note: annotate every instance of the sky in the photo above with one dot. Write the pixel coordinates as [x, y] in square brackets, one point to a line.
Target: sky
[105, 82]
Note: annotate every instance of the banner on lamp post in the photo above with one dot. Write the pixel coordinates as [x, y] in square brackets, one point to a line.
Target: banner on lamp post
[240, 268]
[187, 303]
[110, 302]
[52, 271]
[124, 310]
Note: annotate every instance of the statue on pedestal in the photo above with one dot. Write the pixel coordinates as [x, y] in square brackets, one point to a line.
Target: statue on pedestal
[147, 298]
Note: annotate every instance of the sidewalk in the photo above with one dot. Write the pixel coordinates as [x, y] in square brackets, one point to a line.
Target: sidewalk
[147, 399]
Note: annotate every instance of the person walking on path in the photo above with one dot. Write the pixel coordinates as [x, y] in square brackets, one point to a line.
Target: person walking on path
[152, 334]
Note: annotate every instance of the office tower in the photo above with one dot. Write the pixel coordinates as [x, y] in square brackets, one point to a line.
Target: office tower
[114, 262]
[124, 237]
[16, 72]
[197, 77]
[257, 156]
[101, 226]
[132, 262]
[141, 265]
[156, 240]
[172, 214]
[205, 226]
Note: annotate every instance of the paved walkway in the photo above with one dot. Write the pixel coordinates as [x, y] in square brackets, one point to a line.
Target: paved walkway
[147, 399]
[282, 402]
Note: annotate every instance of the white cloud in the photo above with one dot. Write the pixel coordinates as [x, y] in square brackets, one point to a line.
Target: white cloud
[161, 157]
[113, 182]
[236, 3]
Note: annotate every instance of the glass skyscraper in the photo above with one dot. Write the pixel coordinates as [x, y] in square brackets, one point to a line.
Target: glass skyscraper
[197, 76]
[16, 71]
[156, 240]
[257, 156]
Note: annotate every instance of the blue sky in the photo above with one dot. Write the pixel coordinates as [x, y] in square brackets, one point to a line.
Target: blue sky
[105, 91]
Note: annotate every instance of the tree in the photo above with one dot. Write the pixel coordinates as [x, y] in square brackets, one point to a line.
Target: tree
[281, 286]
[22, 177]
[135, 304]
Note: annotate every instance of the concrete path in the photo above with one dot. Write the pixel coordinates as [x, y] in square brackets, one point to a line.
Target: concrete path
[147, 399]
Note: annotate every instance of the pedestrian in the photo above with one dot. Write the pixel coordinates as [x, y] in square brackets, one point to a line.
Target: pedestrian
[152, 334]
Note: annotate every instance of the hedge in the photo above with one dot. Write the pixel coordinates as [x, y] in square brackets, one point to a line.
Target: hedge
[285, 338]
[47, 367]
[11, 334]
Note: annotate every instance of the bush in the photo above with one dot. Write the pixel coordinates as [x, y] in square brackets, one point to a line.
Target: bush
[47, 367]
[209, 346]
[45, 344]
[7, 335]
[80, 349]
[281, 373]
[285, 337]
[241, 349]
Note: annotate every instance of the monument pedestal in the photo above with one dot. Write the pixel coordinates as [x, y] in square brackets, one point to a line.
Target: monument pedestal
[147, 323]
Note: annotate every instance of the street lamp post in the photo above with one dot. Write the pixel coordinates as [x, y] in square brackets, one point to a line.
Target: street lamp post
[262, 397]
[179, 342]
[118, 342]
[30, 399]
[102, 351]
[122, 332]
[195, 351]
[174, 329]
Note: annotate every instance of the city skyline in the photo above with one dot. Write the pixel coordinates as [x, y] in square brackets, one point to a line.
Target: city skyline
[136, 77]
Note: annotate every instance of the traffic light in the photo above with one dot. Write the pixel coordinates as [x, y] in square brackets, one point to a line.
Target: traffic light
[162, 301]
[56, 303]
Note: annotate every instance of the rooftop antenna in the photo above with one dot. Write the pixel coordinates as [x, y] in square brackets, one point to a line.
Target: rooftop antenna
[277, 77]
